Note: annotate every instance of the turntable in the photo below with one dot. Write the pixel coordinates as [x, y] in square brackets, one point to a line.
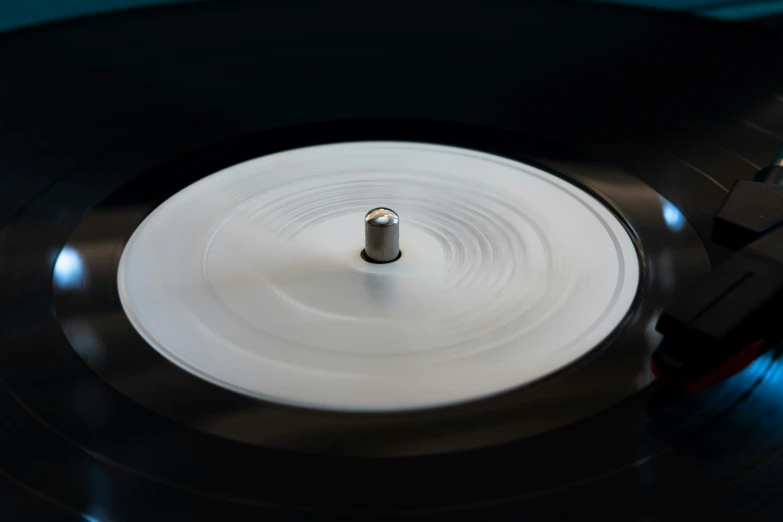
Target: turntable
[391, 260]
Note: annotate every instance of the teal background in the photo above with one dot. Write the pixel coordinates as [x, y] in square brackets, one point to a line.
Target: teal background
[722, 9]
[20, 13]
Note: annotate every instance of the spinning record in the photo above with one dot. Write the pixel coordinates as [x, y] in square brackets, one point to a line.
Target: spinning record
[448, 322]
[198, 322]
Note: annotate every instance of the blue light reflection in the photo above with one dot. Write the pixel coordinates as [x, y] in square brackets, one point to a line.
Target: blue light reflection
[69, 269]
[673, 217]
[766, 372]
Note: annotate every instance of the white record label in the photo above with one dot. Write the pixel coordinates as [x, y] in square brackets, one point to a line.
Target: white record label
[252, 278]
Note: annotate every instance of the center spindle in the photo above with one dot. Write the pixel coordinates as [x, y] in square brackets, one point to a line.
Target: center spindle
[381, 236]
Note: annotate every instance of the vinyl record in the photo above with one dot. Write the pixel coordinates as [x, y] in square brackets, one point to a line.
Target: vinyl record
[190, 332]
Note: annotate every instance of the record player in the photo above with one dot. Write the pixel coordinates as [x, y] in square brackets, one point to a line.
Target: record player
[391, 260]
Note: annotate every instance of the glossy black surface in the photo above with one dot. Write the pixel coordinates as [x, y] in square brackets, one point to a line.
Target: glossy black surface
[97, 115]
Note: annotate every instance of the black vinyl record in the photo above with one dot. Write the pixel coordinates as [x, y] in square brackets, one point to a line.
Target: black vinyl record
[104, 118]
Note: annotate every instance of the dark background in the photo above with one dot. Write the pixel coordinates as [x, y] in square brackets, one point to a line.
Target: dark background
[20, 13]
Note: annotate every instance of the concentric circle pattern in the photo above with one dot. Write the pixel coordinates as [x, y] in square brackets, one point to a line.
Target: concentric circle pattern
[252, 277]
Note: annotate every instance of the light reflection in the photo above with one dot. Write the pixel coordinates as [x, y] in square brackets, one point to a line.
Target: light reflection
[759, 411]
[769, 366]
[673, 217]
[69, 269]
[88, 518]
